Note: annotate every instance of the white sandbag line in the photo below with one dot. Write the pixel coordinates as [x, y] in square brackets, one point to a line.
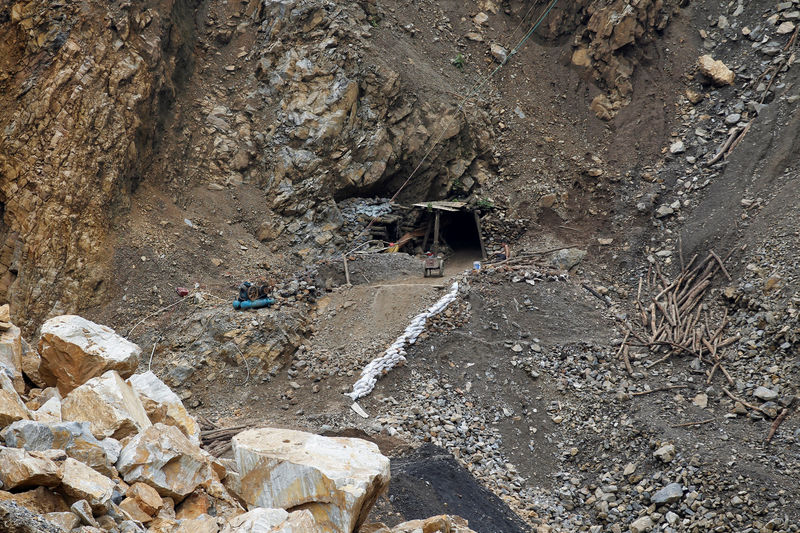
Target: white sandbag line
[396, 352]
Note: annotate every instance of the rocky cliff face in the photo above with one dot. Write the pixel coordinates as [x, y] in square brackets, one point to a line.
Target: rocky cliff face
[83, 86]
[320, 112]
[609, 40]
[346, 121]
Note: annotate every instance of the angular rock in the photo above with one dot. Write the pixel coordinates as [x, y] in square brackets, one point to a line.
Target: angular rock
[567, 259]
[664, 211]
[11, 408]
[11, 356]
[785, 27]
[196, 504]
[146, 497]
[669, 494]
[49, 412]
[75, 438]
[40, 500]
[20, 469]
[715, 70]
[337, 479]
[665, 453]
[74, 350]
[498, 52]
[164, 458]
[763, 393]
[163, 405]
[84, 511]
[31, 360]
[66, 520]
[82, 482]
[129, 526]
[642, 525]
[262, 520]
[201, 524]
[110, 405]
[130, 506]
[450, 524]
[677, 147]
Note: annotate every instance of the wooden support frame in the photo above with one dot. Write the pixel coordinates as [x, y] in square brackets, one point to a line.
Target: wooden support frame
[436, 234]
[427, 239]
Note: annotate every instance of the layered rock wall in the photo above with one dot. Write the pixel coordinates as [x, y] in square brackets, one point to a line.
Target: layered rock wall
[83, 86]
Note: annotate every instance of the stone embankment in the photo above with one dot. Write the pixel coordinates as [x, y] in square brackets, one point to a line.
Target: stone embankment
[94, 447]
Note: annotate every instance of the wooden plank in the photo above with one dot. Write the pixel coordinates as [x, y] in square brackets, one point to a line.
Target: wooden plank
[442, 206]
[480, 235]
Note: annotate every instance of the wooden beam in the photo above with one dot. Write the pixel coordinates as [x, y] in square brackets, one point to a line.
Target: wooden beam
[427, 235]
[480, 235]
[436, 235]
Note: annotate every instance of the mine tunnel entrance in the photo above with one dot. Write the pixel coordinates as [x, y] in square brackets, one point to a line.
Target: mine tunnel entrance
[460, 233]
[451, 228]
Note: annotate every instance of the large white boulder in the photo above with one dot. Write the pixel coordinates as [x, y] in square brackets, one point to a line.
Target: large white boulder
[337, 479]
[109, 404]
[74, 350]
[164, 458]
[163, 405]
[262, 520]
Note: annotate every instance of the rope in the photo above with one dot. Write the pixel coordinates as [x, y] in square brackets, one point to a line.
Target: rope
[477, 88]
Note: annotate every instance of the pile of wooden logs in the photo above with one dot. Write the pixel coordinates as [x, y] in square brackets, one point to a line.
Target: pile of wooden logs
[674, 320]
[216, 440]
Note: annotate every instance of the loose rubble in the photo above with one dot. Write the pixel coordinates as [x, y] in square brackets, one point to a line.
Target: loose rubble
[125, 457]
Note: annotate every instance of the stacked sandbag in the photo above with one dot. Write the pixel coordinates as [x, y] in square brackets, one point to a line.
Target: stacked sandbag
[396, 353]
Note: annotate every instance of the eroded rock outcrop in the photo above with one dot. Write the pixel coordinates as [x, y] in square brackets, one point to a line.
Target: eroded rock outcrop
[610, 37]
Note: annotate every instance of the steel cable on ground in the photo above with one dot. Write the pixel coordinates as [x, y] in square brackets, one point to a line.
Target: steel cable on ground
[476, 89]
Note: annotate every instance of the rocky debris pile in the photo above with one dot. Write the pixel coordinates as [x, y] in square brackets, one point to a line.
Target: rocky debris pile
[742, 84]
[611, 42]
[725, 97]
[498, 229]
[124, 456]
[358, 212]
[432, 409]
[647, 482]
